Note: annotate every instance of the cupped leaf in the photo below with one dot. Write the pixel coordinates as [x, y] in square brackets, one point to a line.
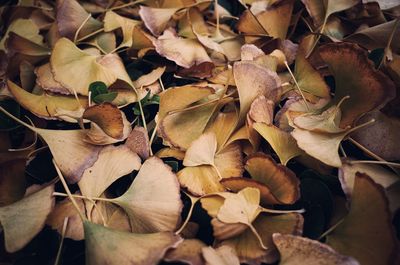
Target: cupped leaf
[108, 246]
[280, 180]
[108, 124]
[301, 250]
[114, 21]
[24, 219]
[153, 201]
[201, 151]
[356, 77]
[366, 233]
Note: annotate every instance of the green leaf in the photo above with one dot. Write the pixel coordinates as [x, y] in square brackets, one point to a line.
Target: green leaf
[98, 88]
[108, 97]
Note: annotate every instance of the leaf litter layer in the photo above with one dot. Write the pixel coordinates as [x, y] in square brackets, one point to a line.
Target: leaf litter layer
[199, 132]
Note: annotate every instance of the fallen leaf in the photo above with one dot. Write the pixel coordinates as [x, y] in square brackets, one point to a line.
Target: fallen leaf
[366, 233]
[301, 250]
[24, 219]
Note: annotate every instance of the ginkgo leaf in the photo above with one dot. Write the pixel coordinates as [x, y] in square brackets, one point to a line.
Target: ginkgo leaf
[384, 129]
[153, 201]
[45, 105]
[322, 146]
[24, 219]
[366, 233]
[184, 52]
[261, 110]
[273, 21]
[189, 252]
[223, 127]
[65, 209]
[223, 255]
[280, 180]
[113, 162]
[150, 78]
[108, 124]
[156, 19]
[301, 250]
[326, 122]
[356, 77]
[176, 98]
[308, 79]
[46, 80]
[247, 246]
[282, 142]
[201, 151]
[229, 161]
[113, 21]
[127, 248]
[180, 128]
[76, 70]
[253, 80]
[138, 142]
[320, 10]
[243, 208]
[25, 28]
[200, 180]
[71, 16]
[348, 170]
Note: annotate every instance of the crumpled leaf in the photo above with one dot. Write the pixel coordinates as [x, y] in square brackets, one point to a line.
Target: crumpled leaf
[152, 202]
[356, 77]
[301, 250]
[366, 233]
[128, 248]
[24, 219]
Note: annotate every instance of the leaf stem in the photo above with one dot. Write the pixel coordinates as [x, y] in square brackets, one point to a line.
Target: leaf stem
[193, 201]
[80, 27]
[83, 197]
[333, 227]
[69, 194]
[297, 85]
[393, 164]
[64, 230]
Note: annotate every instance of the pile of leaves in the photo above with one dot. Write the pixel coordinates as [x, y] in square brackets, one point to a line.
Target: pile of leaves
[200, 132]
